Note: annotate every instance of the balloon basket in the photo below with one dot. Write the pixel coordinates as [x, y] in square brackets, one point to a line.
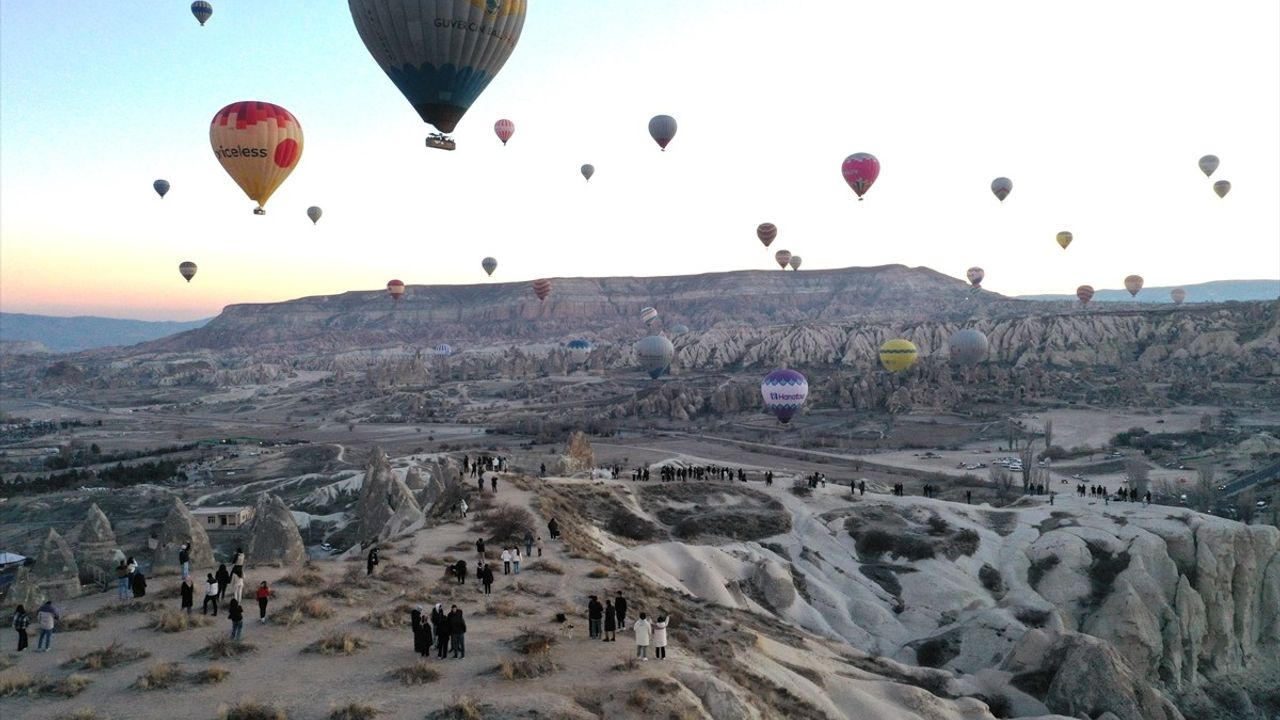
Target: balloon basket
[259, 211]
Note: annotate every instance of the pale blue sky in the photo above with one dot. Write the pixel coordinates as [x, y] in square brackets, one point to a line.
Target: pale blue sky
[1098, 111]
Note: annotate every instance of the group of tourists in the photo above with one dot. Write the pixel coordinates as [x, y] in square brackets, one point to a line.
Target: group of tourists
[671, 473]
[603, 622]
[47, 618]
[483, 464]
[446, 632]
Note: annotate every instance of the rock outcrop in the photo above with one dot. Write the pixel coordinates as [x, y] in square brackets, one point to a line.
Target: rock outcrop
[578, 455]
[273, 534]
[180, 527]
[386, 506]
[96, 543]
[53, 576]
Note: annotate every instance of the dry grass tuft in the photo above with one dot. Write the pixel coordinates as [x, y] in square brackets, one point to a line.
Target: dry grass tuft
[503, 607]
[171, 621]
[251, 710]
[525, 668]
[533, 642]
[211, 675]
[77, 623]
[522, 588]
[306, 576]
[545, 566]
[463, 708]
[30, 686]
[338, 643]
[354, 711]
[598, 573]
[6, 662]
[627, 665]
[419, 673]
[389, 618]
[401, 575]
[105, 658]
[84, 713]
[159, 677]
[219, 647]
[311, 607]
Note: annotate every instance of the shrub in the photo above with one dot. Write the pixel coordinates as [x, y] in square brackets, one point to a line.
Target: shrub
[78, 623]
[354, 711]
[338, 643]
[211, 675]
[507, 523]
[218, 647]
[800, 488]
[310, 606]
[159, 677]
[598, 573]
[306, 576]
[938, 526]
[991, 579]
[24, 684]
[171, 621]
[502, 607]
[1040, 567]
[463, 708]
[419, 673]
[964, 542]
[394, 617]
[85, 713]
[872, 543]
[533, 642]
[545, 566]
[1032, 617]
[525, 668]
[913, 547]
[1103, 569]
[631, 526]
[105, 658]
[937, 651]
[252, 710]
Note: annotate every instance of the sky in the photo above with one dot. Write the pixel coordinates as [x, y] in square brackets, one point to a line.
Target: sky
[1097, 110]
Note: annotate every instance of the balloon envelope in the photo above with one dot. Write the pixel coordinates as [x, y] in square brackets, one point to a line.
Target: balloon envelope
[1001, 186]
[678, 329]
[1178, 295]
[648, 315]
[161, 187]
[975, 275]
[1222, 187]
[258, 144]
[202, 10]
[1084, 294]
[784, 392]
[1208, 164]
[782, 257]
[655, 353]
[794, 262]
[314, 213]
[444, 349]
[489, 265]
[662, 128]
[187, 270]
[898, 355]
[1065, 238]
[968, 347]
[542, 288]
[860, 170]
[395, 289]
[504, 129]
[579, 351]
[588, 170]
[766, 232]
[1133, 284]
[441, 55]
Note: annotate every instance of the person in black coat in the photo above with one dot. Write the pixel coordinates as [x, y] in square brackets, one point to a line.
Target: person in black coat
[372, 560]
[460, 570]
[223, 579]
[421, 632]
[620, 608]
[610, 623]
[553, 527]
[486, 577]
[188, 591]
[457, 632]
[138, 584]
[440, 623]
[595, 613]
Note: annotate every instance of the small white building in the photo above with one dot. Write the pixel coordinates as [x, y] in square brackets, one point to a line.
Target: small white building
[222, 518]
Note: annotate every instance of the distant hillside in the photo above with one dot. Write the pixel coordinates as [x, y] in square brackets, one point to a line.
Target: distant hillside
[69, 334]
[1215, 291]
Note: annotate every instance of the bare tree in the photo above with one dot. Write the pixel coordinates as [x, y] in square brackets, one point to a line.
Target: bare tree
[1206, 491]
[1003, 481]
[1137, 475]
[1028, 457]
[1048, 434]
[1246, 505]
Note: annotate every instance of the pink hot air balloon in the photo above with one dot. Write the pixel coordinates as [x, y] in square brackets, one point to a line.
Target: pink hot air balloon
[395, 289]
[860, 170]
[504, 130]
[975, 275]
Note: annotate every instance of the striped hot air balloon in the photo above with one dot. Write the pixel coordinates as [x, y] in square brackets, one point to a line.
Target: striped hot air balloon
[1001, 187]
[1084, 294]
[968, 347]
[258, 144]
[1065, 238]
[784, 392]
[782, 257]
[648, 315]
[187, 270]
[444, 349]
[504, 129]
[542, 288]
[898, 355]
[1208, 164]
[766, 232]
[489, 265]
[794, 262]
[662, 128]
[975, 275]
[395, 289]
[161, 187]
[202, 10]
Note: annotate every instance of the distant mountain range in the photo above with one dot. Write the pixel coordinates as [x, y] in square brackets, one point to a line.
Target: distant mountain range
[1215, 291]
[20, 332]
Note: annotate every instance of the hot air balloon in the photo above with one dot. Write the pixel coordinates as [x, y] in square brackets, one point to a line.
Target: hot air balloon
[504, 129]
[1133, 284]
[489, 265]
[1178, 295]
[314, 212]
[1222, 187]
[975, 275]
[784, 393]
[1064, 239]
[678, 329]
[794, 262]
[860, 170]
[766, 232]
[187, 270]
[395, 289]
[258, 144]
[202, 10]
[648, 315]
[1208, 164]
[968, 347]
[542, 288]
[444, 349]
[161, 187]
[782, 257]
[655, 353]
[588, 170]
[1001, 186]
[579, 351]
[1084, 294]
[662, 128]
[898, 355]
[441, 55]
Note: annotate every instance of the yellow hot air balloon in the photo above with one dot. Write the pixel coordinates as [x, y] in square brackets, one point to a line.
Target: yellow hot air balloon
[898, 354]
[258, 144]
[1064, 239]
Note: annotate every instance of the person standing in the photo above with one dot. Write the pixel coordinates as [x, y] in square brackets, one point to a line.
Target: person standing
[138, 584]
[235, 614]
[620, 607]
[660, 637]
[460, 569]
[506, 562]
[122, 581]
[421, 632]
[372, 561]
[20, 622]
[493, 483]
[237, 583]
[210, 595]
[538, 542]
[515, 559]
[528, 543]
[184, 559]
[610, 623]
[595, 612]
[237, 563]
[440, 624]
[264, 596]
[643, 631]
[457, 632]
[223, 579]
[188, 592]
[553, 527]
[486, 576]
[480, 484]
[480, 547]
[462, 508]
[47, 617]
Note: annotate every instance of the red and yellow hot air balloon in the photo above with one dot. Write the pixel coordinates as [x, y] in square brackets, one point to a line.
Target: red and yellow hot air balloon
[542, 288]
[975, 275]
[783, 258]
[504, 129]
[1084, 294]
[395, 289]
[258, 144]
[766, 232]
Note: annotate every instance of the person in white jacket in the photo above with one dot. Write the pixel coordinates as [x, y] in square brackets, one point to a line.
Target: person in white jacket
[515, 559]
[660, 637]
[506, 562]
[643, 631]
[237, 586]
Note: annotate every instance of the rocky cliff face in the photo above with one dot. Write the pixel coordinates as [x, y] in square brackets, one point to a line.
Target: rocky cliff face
[273, 534]
[54, 575]
[96, 544]
[180, 527]
[386, 505]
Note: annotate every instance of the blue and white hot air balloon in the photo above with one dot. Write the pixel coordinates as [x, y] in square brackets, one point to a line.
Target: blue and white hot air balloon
[784, 393]
[444, 349]
[579, 351]
[202, 10]
[655, 354]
